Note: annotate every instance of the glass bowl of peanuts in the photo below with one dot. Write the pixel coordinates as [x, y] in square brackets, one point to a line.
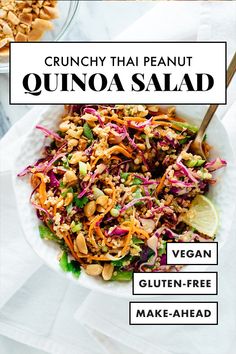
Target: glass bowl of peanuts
[33, 20]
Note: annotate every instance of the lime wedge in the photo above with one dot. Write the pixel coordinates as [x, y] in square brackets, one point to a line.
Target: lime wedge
[202, 216]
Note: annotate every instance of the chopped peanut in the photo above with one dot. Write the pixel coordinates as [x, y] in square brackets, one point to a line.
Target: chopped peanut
[24, 21]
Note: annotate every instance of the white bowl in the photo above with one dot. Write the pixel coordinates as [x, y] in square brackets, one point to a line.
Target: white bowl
[222, 194]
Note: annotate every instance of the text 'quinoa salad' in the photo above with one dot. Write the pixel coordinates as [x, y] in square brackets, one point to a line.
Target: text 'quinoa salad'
[113, 184]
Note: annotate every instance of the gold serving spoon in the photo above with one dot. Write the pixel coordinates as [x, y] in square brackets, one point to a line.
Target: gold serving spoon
[196, 146]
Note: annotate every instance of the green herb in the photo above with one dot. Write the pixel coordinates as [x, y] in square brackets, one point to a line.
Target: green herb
[122, 276]
[72, 266]
[191, 128]
[205, 137]
[69, 190]
[87, 131]
[62, 184]
[162, 250]
[121, 262]
[137, 240]
[124, 175]
[184, 140]
[118, 263]
[64, 262]
[80, 202]
[47, 234]
[65, 164]
[136, 181]
[61, 134]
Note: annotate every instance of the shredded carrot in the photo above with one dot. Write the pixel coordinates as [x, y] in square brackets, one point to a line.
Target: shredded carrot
[141, 232]
[99, 232]
[42, 190]
[135, 119]
[96, 160]
[114, 157]
[128, 238]
[167, 124]
[114, 149]
[69, 243]
[117, 120]
[113, 197]
[54, 209]
[117, 149]
[129, 179]
[104, 258]
[127, 148]
[161, 184]
[91, 227]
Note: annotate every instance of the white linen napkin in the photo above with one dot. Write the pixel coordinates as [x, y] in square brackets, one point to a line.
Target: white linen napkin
[35, 288]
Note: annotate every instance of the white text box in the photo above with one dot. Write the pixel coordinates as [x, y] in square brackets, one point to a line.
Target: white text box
[194, 253]
[166, 313]
[173, 283]
[116, 72]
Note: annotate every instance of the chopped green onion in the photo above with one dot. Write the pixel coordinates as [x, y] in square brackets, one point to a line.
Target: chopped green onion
[124, 175]
[76, 227]
[137, 240]
[69, 208]
[122, 276]
[194, 163]
[69, 190]
[87, 131]
[191, 128]
[137, 194]
[83, 169]
[114, 212]
[97, 192]
[104, 249]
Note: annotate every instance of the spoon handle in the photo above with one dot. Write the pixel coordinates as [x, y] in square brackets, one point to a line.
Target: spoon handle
[231, 70]
[213, 107]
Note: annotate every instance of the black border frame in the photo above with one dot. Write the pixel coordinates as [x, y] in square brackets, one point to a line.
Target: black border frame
[175, 324]
[91, 42]
[201, 264]
[166, 273]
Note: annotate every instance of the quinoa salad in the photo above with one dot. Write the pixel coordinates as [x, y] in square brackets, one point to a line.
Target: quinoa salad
[112, 185]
